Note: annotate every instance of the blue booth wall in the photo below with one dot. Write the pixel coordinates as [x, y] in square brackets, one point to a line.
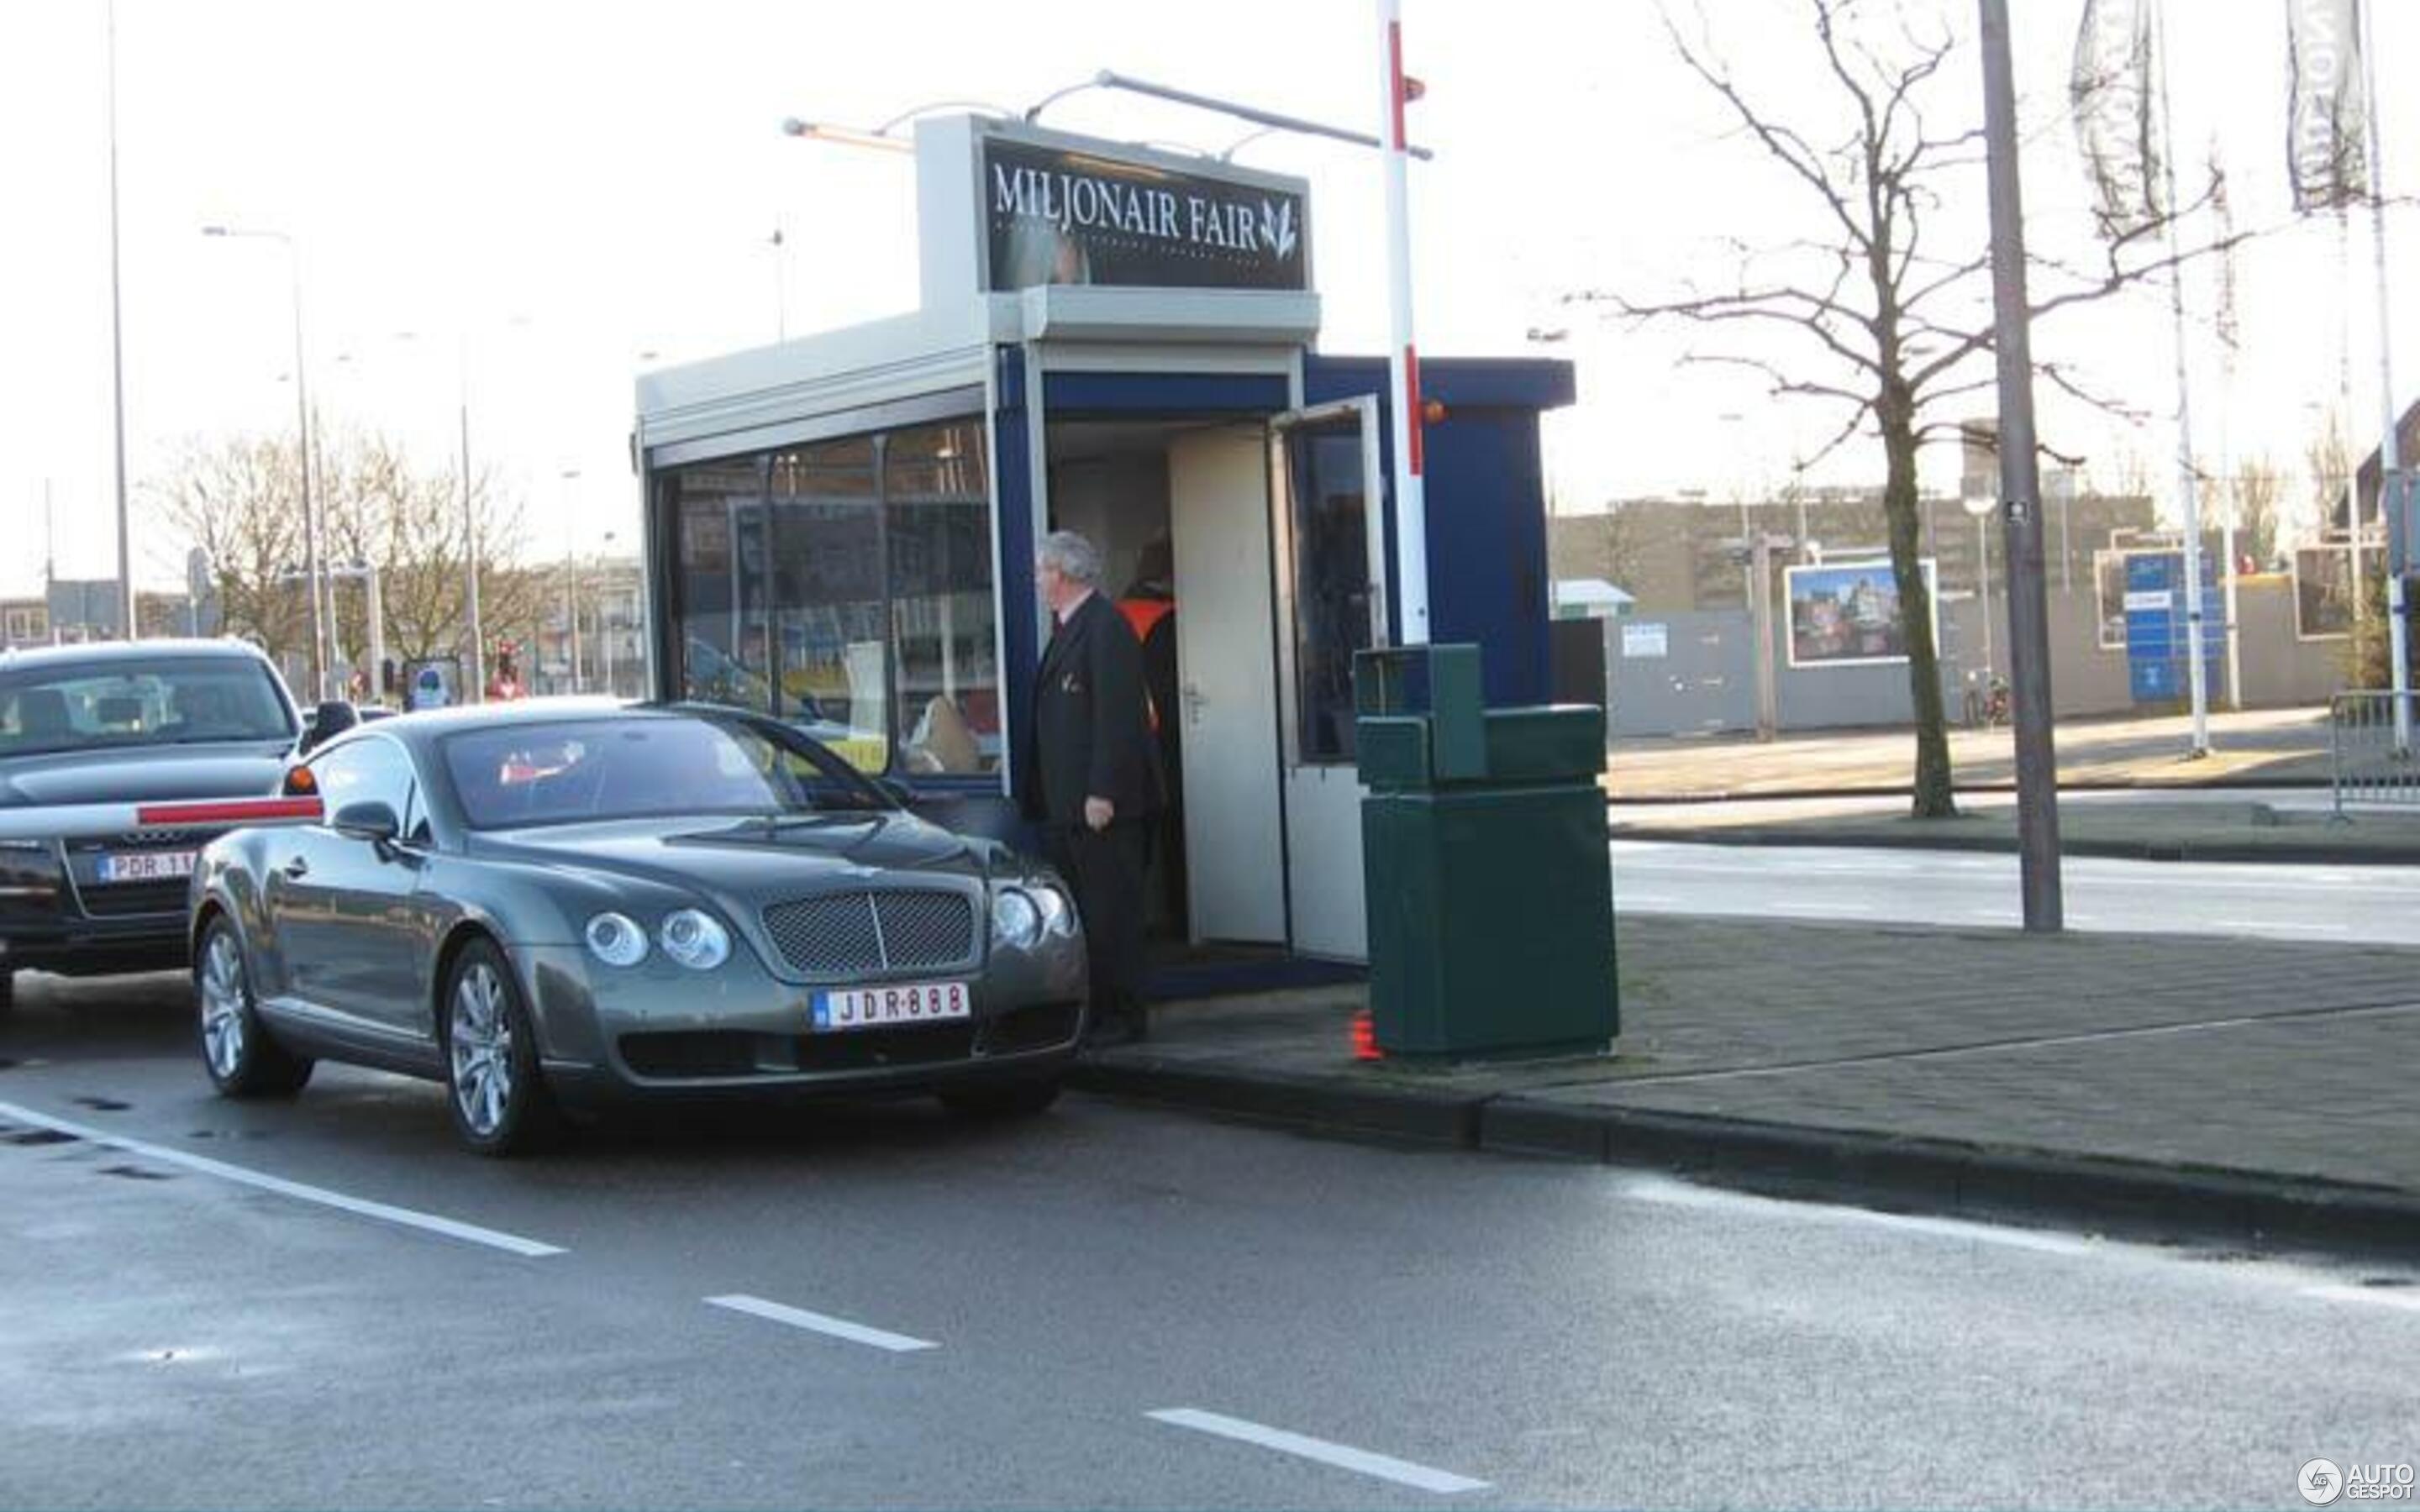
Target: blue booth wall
[1486, 504]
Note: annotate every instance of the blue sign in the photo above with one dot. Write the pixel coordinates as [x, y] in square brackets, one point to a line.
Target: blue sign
[2157, 637]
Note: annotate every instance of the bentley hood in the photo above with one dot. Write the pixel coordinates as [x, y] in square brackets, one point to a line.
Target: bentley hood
[755, 862]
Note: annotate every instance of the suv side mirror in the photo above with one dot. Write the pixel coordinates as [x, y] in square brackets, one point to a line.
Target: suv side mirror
[368, 819]
[897, 791]
[329, 720]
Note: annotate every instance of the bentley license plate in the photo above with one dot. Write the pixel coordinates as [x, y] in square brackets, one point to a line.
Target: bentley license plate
[148, 865]
[882, 1008]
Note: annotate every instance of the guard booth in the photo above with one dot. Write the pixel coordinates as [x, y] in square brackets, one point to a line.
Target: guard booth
[840, 529]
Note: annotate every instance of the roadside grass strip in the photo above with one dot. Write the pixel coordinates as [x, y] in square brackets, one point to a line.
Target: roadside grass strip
[429, 1223]
[1342, 1456]
[839, 1328]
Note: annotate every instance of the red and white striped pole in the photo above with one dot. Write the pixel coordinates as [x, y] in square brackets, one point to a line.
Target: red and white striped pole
[1403, 361]
[87, 820]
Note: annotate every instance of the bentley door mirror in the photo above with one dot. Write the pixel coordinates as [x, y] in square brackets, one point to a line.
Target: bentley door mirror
[369, 820]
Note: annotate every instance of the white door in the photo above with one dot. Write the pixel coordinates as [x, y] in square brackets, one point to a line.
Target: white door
[1324, 503]
[1218, 518]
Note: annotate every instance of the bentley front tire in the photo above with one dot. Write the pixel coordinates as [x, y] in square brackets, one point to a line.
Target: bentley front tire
[499, 1100]
[243, 1058]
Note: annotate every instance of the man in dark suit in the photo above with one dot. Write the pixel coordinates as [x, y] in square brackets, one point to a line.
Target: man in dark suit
[1090, 773]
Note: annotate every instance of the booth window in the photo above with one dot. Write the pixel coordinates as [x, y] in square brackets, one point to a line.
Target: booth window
[1331, 588]
[826, 597]
[846, 587]
[937, 500]
[726, 635]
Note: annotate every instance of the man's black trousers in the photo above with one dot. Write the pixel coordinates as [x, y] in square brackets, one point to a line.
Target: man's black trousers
[1107, 868]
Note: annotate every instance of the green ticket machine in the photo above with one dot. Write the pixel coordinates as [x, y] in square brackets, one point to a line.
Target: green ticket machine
[1483, 846]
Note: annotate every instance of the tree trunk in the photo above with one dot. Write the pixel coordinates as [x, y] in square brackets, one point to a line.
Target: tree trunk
[1934, 795]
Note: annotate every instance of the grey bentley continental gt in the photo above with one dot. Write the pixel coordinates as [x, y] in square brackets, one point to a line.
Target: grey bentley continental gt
[559, 905]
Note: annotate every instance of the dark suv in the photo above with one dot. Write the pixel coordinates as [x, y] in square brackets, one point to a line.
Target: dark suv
[105, 750]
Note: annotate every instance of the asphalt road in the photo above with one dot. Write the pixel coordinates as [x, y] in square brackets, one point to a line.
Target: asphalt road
[2374, 904]
[1107, 1306]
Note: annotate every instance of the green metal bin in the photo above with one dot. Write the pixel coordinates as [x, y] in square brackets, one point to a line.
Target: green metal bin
[1484, 843]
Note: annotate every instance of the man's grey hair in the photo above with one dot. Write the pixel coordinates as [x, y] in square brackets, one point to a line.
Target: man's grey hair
[1077, 559]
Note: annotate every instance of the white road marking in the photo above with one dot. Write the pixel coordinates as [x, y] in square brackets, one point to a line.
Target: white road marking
[2407, 1299]
[1670, 1193]
[1343, 1457]
[2258, 924]
[839, 1328]
[362, 1207]
[1817, 910]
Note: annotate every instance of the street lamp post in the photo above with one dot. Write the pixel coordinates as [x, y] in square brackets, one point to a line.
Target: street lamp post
[323, 658]
[605, 615]
[117, 366]
[571, 584]
[477, 691]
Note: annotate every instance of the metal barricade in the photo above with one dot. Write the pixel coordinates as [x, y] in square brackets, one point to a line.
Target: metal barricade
[2371, 761]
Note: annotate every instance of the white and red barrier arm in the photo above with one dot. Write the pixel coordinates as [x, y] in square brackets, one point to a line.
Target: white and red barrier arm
[88, 821]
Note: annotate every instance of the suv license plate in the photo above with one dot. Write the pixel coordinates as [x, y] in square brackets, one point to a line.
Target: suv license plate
[881, 1008]
[148, 865]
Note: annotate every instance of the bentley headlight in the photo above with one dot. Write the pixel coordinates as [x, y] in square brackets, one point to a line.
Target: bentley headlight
[613, 939]
[1015, 918]
[1058, 914]
[696, 939]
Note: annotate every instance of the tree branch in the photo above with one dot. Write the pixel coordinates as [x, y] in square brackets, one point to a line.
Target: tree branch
[1786, 145]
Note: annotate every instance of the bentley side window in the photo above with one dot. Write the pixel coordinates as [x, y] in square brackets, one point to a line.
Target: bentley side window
[371, 770]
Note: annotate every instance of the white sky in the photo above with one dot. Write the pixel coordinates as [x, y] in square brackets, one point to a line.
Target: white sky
[566, 187]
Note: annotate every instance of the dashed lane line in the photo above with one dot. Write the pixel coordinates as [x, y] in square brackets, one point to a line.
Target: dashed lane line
[824, 1323]
[2373, 1296]
[1342, 1456]
[301, 1192]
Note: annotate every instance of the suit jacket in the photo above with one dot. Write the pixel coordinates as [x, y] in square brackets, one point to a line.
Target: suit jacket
[1090, 737]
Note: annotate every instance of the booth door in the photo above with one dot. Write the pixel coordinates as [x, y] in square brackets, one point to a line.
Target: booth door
[1324, 493]
[1219, 524]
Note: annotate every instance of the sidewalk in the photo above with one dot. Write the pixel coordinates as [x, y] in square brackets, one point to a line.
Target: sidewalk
[2246, 1091]
[2273, 747]
[2206, 831]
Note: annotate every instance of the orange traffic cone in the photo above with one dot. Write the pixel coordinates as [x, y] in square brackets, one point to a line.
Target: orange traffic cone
[1365, 1038]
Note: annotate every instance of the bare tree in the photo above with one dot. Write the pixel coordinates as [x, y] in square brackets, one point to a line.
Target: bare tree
[2327, 457]
[1870, 317]
[2259, 507]
[242, 501]
[239, 499]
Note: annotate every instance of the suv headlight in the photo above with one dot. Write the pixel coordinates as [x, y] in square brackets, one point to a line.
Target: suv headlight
[1015, 918]
[615, 940]
[696, 939]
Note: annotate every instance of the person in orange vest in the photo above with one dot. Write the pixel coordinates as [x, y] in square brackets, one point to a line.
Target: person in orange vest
[1149, 605]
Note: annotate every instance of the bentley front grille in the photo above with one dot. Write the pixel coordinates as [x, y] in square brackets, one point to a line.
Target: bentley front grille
[848, 933]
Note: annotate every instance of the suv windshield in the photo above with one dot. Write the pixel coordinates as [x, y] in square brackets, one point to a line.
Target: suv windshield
[646, 766]
[174, 701]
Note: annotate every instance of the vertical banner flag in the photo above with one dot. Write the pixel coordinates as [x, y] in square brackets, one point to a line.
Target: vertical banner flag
[2109, 93]
[2325, 150]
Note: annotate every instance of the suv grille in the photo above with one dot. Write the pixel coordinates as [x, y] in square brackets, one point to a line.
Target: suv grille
[864, 932]
[124, 899]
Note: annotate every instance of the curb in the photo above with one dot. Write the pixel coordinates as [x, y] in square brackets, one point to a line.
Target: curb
[2296, 854]
[1900, 789]
[1305, 1100]
[1994, 1183]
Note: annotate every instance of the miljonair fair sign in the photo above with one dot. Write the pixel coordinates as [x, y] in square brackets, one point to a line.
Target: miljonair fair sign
[1057, 215]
